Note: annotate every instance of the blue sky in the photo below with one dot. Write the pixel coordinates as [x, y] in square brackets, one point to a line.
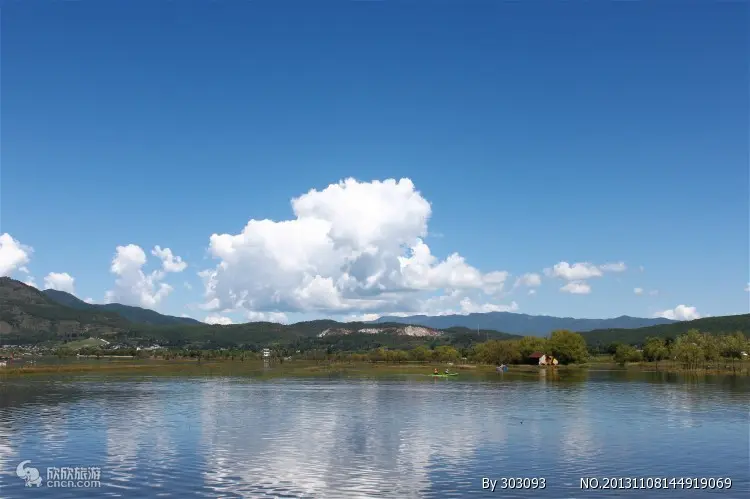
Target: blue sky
[538, 134]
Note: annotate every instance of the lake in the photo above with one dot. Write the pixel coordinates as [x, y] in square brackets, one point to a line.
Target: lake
[397, 437]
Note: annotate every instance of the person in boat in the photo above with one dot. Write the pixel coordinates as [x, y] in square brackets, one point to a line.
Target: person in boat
[435, 371]
[446, 371]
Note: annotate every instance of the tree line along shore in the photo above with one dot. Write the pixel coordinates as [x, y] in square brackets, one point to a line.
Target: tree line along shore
[692, 351]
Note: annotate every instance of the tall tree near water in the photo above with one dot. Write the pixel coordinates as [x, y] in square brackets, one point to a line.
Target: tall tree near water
[568, 347]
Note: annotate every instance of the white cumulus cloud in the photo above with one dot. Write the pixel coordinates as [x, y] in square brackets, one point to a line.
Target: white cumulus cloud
[361, 317]
[469, 307]
[31, 282]
[89, 300]
[575, 272]
[278, 317]
[13, 255]
[576, 288]
[680, 313]
[60, 281]
[353, 247]
[530, 280]
[614, 267]
[133, 286]
[170, 262]
[458, 302]
[638, 291]
[218, 319]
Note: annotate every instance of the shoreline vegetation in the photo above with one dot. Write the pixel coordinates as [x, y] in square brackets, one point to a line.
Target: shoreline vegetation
[693, 352]
[302, 368]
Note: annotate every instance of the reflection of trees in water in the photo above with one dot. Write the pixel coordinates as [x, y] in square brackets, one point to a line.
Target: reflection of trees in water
[17, 394]
[42, 405]
[704, 387]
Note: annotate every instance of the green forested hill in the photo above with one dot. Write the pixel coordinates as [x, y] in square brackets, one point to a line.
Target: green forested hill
[30, 316]
[714, 325]
[133, 314]
[306, 335]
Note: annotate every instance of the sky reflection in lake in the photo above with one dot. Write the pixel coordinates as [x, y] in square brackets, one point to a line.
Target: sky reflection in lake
[241, 437]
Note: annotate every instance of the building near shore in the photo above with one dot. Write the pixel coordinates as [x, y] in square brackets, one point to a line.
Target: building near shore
[542, 359]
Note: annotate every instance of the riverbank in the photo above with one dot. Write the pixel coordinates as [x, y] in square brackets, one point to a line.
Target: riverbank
[295, 368]
[158, 367]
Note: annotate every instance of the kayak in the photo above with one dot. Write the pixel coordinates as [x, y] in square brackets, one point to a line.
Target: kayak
[444, 375]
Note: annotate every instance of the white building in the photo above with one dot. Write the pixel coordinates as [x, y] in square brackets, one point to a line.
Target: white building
[266, 353]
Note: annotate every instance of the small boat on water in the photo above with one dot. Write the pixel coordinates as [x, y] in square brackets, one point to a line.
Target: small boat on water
[444, 375]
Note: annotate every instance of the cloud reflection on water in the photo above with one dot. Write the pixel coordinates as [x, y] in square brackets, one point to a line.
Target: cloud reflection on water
[357, 438]
[360, 440]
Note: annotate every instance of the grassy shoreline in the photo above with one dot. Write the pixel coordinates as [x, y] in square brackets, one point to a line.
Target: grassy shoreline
[159, 367]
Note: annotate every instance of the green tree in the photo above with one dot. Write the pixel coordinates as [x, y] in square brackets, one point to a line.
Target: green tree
[65, 352]
[655, 349]
[420, 354]
[612, 348]
[445, 353]
[711, 346]
[707, 344]
[731, 346]
[358, 357]
[377, 355]
[498, 352]
[627, 353]
[530, 344]
[687, 350]
[400, 356]
[568, 347]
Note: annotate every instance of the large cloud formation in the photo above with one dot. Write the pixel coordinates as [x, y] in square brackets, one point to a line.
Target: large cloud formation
[170, 262]
[13, 255]
[60, 281]
[133, 286]
[578, 273]
[352, 247]
[680, 313]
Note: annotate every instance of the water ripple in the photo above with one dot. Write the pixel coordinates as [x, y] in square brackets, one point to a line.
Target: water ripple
[233, 437]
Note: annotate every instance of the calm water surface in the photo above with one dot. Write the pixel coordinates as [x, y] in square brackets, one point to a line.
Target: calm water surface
[356, 438]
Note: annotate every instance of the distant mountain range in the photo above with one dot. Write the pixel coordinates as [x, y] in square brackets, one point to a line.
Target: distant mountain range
[507, 322]
[523, 324]
[30, 316]
[133, 314]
